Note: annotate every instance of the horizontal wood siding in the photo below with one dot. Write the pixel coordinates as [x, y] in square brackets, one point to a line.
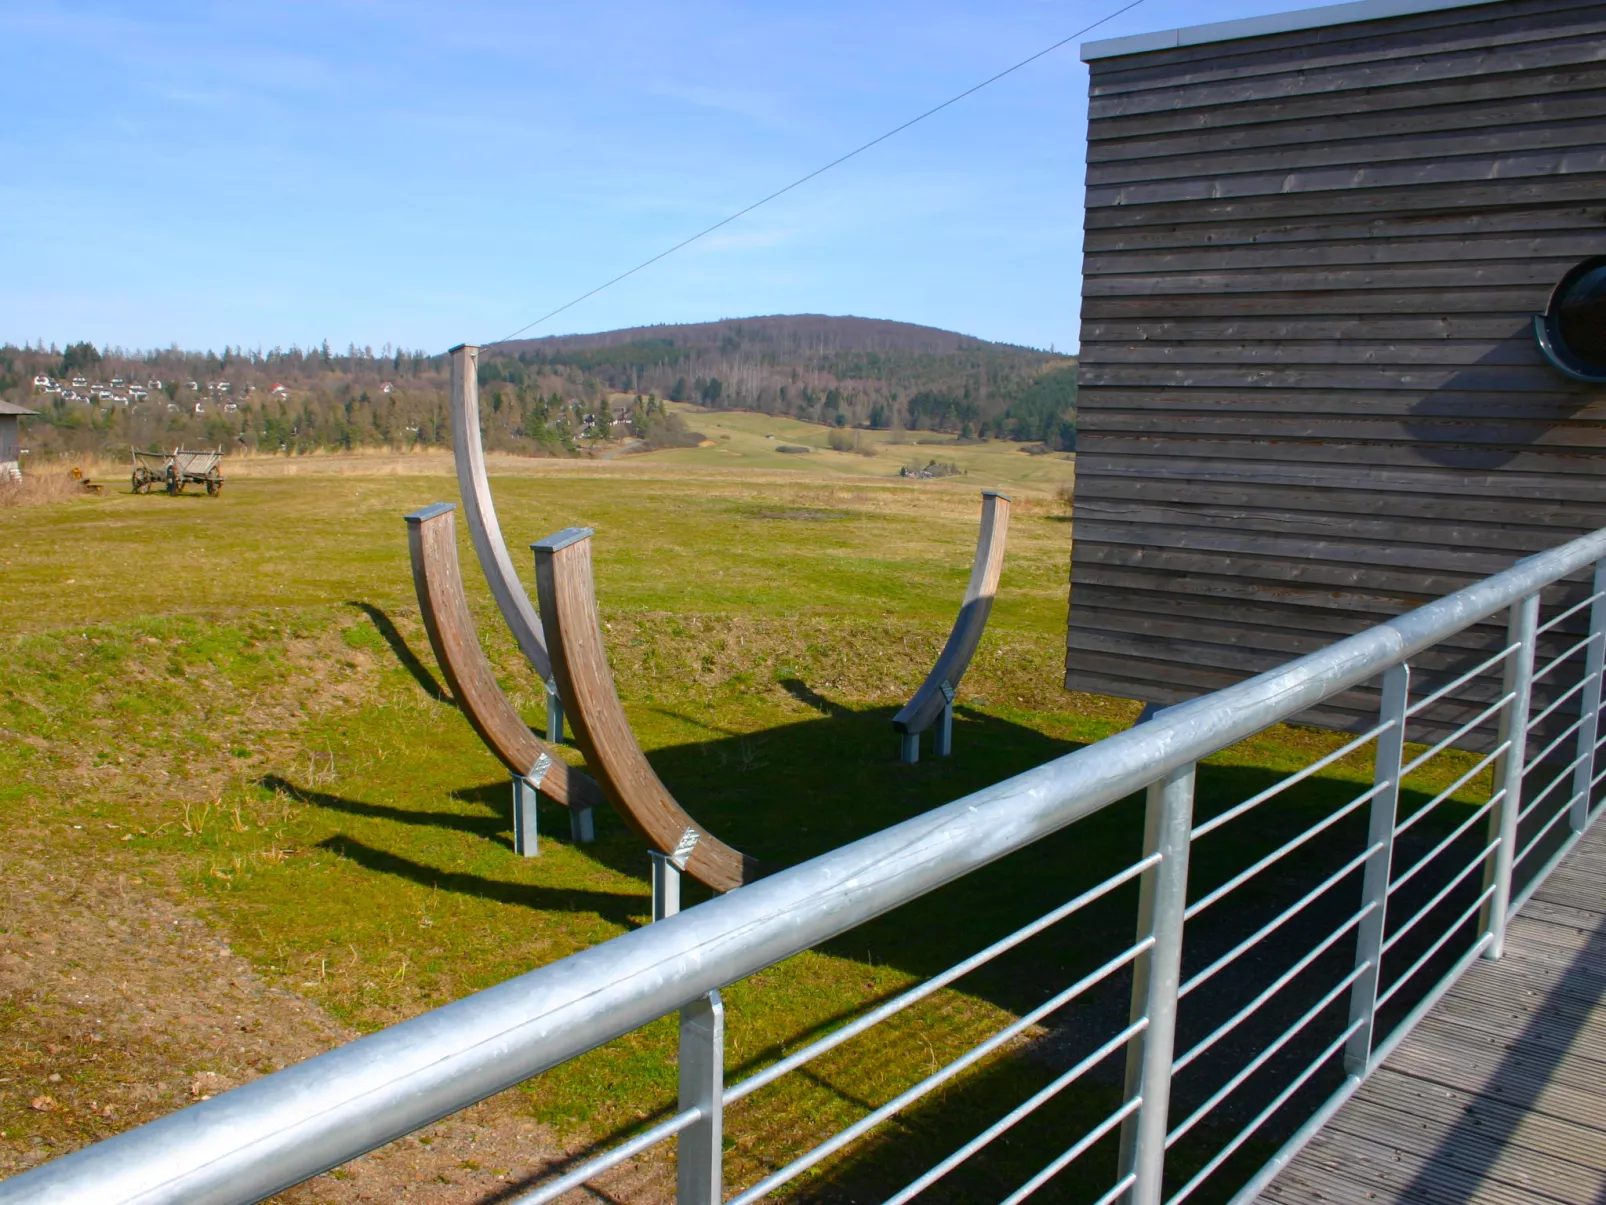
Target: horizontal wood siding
[1310, 396]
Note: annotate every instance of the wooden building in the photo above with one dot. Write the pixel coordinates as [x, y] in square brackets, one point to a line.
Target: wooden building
[1311, 395]
[10, 413]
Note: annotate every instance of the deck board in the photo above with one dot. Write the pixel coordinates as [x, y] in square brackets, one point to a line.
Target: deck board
[1499, 1096]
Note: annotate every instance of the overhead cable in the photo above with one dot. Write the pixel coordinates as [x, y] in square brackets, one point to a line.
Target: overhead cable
[859, 150]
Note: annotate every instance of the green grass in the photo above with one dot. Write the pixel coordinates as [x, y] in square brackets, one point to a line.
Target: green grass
[242, 687]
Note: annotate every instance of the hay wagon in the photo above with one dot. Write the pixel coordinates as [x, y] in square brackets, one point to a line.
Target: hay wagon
[176, 469]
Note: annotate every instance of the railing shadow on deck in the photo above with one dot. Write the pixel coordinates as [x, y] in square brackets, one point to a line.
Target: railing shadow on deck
[1475, 1144]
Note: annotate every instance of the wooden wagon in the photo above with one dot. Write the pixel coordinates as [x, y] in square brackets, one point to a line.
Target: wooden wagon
[176, 469]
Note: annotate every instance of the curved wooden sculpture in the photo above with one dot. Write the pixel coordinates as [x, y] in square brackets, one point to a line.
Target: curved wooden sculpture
[936, 694]
[432, 542]
[486, 531]
[574, 637]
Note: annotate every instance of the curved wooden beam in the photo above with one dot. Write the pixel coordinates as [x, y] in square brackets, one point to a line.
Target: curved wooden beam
[568, 600]
[480, 511]
[432, 542]
[937, 691]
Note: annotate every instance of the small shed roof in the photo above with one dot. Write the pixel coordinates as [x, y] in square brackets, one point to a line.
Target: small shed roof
[13, 408]
[1252, 27]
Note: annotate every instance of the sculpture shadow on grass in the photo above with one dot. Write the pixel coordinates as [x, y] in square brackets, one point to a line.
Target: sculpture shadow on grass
[404, 653]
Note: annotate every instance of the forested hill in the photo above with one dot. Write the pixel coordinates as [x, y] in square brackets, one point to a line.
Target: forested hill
[785, 334]
[840, 370]
[538, 394]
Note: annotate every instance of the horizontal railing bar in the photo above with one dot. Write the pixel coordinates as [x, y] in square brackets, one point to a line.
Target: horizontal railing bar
[1261, 1059]
[1023, 1110]
[1277, 985]
[1544, 715]
[1561, 814]
[1282, 785]
[1481, 860]
[936, 1079]
[1455, 834]
[1543, 793]
[1551, 748]
[267, 1135]
[1572, 652]
[1282, 918]
[1121, 1185]
[1570, 611]
[1384, 997]
[595, 1167]
[1538, 881]
[1261, 1118]
[1429, 700]
[1434, 750]
[876, 1015]
[1060, 1162]
[1452, 788]
[1281, 852]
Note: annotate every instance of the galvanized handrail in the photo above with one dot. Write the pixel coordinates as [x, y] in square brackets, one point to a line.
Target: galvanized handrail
[277, 1131]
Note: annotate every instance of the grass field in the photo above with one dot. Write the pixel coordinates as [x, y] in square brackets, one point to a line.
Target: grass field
[228, 707]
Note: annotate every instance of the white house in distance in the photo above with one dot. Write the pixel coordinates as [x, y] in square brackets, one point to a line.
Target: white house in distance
[10, 470]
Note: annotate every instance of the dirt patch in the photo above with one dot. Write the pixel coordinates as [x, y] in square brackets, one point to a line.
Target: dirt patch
[119, 1004]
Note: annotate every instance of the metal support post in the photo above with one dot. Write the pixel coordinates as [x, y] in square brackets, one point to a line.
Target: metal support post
[909, 748]
[943, 742]
[582, 826]
[1390, 751]
[526, 840]
[665, 885]
[700, 1176]
[554, 713]
[1156, 976]
[1589, 707]
[1521, 630]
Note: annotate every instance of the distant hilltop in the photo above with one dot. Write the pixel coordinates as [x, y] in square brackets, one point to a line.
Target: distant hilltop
[784, 333]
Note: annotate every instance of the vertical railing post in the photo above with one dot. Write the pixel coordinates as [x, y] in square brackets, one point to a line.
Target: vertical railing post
[1522, 631]
[699, 1177]
[1390, 752]
[665, 885]
[526, 838]
[1156, 976]
[1589, 706]
[554, 713]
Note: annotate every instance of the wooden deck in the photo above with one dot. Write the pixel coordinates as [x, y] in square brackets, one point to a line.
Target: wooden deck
[1500, 1093]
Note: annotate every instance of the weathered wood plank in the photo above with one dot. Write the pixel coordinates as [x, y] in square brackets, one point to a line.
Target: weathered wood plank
[1444, 31]
[1336, 252]
[1338, 499]
[1539, 273]
[1499, 110]
[1332, 83]
[1354, 473]
[1412, 198]
[1473, 140]
[1513, 345]
[1422, 434]
[1379, 104]
[1362, 455]
[1256, 331]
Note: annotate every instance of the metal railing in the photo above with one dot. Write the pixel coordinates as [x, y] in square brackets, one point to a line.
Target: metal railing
[1353, 989]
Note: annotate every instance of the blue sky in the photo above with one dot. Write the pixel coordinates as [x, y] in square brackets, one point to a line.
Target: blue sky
[424, 174]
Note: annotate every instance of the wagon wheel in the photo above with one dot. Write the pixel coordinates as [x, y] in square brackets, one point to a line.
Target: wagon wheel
[141, 481]
[214, 484]
[175, 484]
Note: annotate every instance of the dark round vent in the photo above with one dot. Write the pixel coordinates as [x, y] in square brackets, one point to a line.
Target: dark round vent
[1572, 330]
